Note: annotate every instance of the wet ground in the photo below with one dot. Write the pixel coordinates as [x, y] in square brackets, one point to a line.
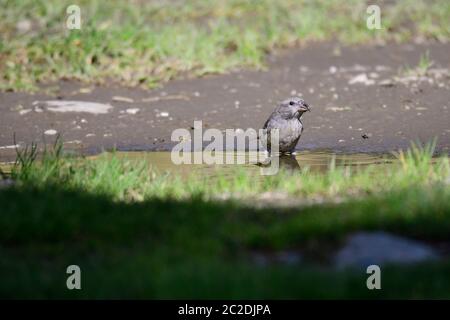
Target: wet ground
[365, 99]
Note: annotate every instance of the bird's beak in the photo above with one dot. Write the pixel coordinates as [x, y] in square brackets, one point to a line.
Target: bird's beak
[305, 107]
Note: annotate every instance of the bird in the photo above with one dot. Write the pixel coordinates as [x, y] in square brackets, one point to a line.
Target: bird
[287, 119]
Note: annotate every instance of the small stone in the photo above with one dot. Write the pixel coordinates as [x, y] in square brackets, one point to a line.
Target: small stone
[366, 248]
[50, 132]
[14, 146]
[122, 99]
[73, 142]
[132, 110]
[386, 83]
[361, 78]
[24, 111]
[72, 106]
[164, 114]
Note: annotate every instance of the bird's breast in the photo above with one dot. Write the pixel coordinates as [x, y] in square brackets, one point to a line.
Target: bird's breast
[292, 128]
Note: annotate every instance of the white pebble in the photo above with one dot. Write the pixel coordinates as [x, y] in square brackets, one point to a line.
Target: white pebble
[24, 111]
[50, 132]
[122, 99]
[132, 110]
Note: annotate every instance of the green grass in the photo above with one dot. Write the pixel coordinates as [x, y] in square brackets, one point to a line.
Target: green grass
[421, 69]
[148, 42]
[137, 233]
[135, 180]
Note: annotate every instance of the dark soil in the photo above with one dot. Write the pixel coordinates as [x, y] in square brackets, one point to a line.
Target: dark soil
[386, 110]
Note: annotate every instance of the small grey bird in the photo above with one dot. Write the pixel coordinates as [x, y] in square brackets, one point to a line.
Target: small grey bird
[287, 119]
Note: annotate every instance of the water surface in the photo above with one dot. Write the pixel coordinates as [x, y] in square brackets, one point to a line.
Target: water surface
[314, 160]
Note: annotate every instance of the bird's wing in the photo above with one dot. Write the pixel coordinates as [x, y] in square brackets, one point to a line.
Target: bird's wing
[269, 123]
[266, 123]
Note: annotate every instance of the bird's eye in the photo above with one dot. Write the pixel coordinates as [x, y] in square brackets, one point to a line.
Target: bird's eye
[292, 103]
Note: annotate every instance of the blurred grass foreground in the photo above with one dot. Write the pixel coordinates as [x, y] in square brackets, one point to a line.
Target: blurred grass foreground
[137, 233]
[146, 42]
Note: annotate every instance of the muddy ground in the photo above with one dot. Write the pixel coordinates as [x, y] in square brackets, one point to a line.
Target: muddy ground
[364, 99]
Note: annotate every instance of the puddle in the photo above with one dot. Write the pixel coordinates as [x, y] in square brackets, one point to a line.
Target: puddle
[315, 161]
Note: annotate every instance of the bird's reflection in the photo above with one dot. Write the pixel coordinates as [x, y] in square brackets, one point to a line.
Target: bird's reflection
[286, 162]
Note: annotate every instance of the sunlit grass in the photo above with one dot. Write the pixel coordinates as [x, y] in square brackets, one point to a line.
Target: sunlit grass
[137, 180]
[146, 43]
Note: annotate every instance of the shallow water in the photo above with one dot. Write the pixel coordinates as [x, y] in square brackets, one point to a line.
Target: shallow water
[314, 160]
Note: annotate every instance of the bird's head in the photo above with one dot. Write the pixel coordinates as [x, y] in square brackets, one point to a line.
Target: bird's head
[293, 107]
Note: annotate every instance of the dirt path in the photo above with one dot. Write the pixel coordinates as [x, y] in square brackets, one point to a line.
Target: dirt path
[354, 92]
